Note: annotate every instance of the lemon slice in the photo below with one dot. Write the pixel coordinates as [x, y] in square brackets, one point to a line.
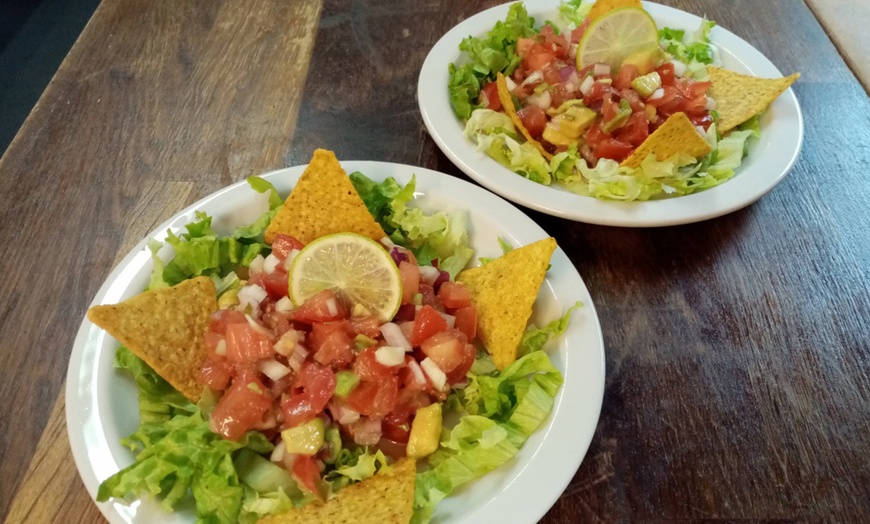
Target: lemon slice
[615, 35]
[356, 268]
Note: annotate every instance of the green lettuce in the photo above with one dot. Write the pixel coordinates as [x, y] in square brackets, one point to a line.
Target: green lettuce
[694, 50]
[500, 143]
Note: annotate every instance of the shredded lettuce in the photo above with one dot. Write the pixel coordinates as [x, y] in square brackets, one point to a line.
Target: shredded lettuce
[694, 50]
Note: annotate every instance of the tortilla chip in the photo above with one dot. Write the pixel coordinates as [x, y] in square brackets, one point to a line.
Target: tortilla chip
[385, 498]
[676, 135]
[323, 202]
[740, 97]
[603, 6]
[165, 328]
[503, 292]
[504, 95]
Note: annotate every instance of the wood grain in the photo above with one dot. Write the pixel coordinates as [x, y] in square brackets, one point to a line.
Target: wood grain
[738, 361]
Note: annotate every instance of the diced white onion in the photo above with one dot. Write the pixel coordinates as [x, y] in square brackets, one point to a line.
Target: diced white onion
[251, 296]
[285, 305]
[542, 100]
[701, 131]
[428, 274]
[658, 93]
[221, 348]
[711, 104]
[387, 242]
[679, 68]
[572, 51]
[332, 307]
[601, 69]
[257, 264]
[287, 343]
[291, 256]
[438, 378]
[347, 416]
[278, 452]
[393, 335]
[273, 369]
[451, 320]
[586, 85]
[419, 377]
[367, 432]
[573, 80]
[390, 355]
[271, 263]
[297, 358]
[509, 82]
[533, 78]
[259, 328]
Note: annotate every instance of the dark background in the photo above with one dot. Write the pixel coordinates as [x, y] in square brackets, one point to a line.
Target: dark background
[35, 36]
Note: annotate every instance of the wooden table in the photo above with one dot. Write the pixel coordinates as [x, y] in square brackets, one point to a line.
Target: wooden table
[738, 361]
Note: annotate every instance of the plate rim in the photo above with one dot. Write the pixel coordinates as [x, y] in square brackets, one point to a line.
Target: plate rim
[88, 336]
[726, 198]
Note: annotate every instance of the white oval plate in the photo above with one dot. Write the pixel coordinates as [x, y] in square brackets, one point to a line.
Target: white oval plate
[101, 405]
[770, 159]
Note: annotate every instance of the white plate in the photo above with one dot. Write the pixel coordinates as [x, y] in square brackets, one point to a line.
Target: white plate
[770, 159]
[101, 405]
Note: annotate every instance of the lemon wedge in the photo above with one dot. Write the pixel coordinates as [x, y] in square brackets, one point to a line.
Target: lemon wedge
[357, 269]
[615, 35]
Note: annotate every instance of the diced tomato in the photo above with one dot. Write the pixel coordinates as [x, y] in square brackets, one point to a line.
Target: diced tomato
[609, 108]
[538, 57]
[307, 473]
[489, 97]
[695, 106]
[635, 130]
[410, 280]
[215, 375]
[275, 283]
[277, 322]
[369, 325]
[613, 149]
[316, 309]
[666, 73]
[240, 408]
[427, 323]
[221, 318]
[633, 99]
[577, 34]
[552, 74]
[690, 88]
[675, 105]
[595, 135]
[368, 367]
[246, 344]
[375, 398]
[624, 77]
[445, 349]
[534, 119]
[466, 321]
[283, 244]
[561, 93]
[397, 427]
[430, 298]
[454, 295]
[702, 120]
[313, 387]
[597, 93]
[212, 340]
[669, 93]
[557, 44]
[458, 374]
[524, 45]
[331, 343]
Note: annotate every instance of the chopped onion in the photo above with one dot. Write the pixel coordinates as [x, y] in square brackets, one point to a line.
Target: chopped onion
[287, 343]
[346, 415]
[291, 256]
[221, 348]
[711, 104]
[387, 242]
[332, 306]
[565, 72]
[367, 432]
[273, 369]
[701, 131]
[252, 295]
[509, 82]
[285, 305]
[533, 78]
[256, 265]
[298, 357]
[419, 377]
[259, 328]
[390, 355]
[586, 85]
[428, 274]
[271, 263]
[679, 68]
[601, 69]
[542, 100]
[278, 452]
[438, 378]
[451, 320]
[658, 93]
[393, 335]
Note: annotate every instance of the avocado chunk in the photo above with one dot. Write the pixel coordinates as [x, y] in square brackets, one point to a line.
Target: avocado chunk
[645, 85]
[566, 128]
[425, 432]
[305, 439]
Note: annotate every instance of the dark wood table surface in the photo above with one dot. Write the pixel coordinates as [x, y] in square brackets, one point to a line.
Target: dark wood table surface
[738, 361]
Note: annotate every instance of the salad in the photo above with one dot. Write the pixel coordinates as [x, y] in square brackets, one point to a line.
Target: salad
[577, 112]
[304, 400]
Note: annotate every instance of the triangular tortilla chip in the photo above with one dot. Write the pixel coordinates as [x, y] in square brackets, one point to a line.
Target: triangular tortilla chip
[676, 135]
[603, 6]
[323, 202]
[504, 291]
[165, 328]
[504, 95]
[740, 97]
[385, 498]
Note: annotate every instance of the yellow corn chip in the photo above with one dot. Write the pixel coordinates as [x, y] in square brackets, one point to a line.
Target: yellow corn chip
[503, 292]
[603, 6]
[165, 328]
[385, 498]
[323, 202]
[504, 95]
[676, 135]
[740, 97]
